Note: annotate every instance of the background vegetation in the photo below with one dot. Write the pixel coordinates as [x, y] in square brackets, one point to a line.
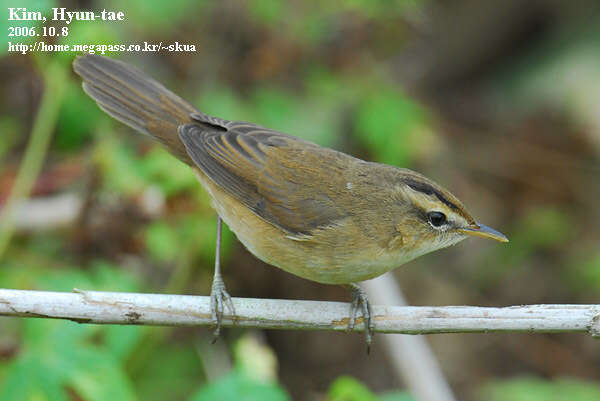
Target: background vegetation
[499, 101]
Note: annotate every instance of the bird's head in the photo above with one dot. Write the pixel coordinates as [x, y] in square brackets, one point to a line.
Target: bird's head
[433, 218]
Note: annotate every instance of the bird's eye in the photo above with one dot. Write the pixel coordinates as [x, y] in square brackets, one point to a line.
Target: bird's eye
[437, 219]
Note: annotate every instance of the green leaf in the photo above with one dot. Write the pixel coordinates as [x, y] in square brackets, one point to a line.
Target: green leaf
[58, 354]
[77, 119]
[391, 126]
[346, 388]
[92, 370]
[120, 341]
[223, 102]
[191, 234]
[96, 32]
[274, 107]
[128, 173]
[28, 379]
[535, 389]
[171, 372]
[267, 11]
[81, 357]
[313, 119]
[159, 167]
[44, 336]
[237, 386]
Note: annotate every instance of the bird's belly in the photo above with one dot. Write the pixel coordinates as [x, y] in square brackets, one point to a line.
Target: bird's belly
[320, 262]
[341, 262]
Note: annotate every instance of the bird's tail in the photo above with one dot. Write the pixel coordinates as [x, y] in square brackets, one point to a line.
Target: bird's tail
[132, 97]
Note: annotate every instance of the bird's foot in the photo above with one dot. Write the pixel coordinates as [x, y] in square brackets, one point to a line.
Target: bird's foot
[219, 299]
[360, 300]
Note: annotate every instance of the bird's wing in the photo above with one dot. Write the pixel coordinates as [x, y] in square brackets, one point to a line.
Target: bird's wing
[273, 174]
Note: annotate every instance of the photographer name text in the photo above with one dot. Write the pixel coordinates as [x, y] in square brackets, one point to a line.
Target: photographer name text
[61, 14]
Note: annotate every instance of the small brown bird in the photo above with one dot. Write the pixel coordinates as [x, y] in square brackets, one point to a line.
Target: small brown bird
[311, 211]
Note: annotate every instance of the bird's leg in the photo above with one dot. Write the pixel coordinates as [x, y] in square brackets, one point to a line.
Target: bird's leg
[360, 300]
[219, 297]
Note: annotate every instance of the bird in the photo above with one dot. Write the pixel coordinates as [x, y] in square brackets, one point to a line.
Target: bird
[312, 211]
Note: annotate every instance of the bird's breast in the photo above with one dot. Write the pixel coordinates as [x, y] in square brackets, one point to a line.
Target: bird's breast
[339, 254]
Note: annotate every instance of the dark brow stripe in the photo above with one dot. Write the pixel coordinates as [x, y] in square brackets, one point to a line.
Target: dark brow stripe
[427, 189]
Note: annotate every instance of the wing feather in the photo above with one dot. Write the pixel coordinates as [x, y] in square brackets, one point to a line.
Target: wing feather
[266, 170]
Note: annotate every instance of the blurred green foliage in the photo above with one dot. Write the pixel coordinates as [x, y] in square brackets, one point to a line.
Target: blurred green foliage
[584, 273]
[391, 126]
[42, 130]
[254, 377]
[9, 127]
[311, 116]
[538, 230]
[535, 389]
[347, 388]
[161, 16]
[77, 120]
[196, 234]
[238, 386]
[56, 357]
[124, 171]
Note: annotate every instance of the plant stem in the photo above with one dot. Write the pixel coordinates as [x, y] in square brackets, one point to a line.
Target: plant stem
[41, 133]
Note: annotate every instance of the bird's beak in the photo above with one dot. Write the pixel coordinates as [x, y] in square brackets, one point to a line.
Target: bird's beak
[484, 232]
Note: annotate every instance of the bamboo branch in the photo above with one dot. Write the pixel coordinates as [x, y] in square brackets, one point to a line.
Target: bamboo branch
[185, 310]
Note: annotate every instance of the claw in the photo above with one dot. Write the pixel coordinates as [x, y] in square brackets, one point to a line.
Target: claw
[219, 299]
[360, 300]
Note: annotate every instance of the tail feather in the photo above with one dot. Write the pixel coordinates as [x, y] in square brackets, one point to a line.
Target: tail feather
[130, 96]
